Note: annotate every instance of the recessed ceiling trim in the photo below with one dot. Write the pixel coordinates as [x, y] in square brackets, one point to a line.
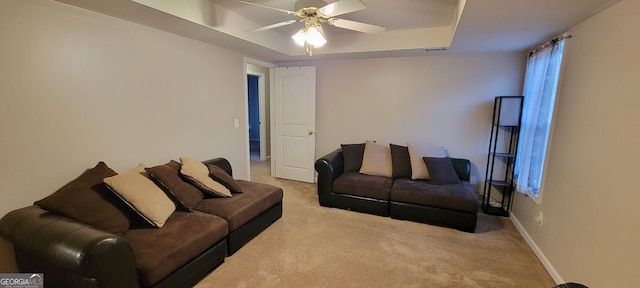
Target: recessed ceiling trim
[457, 16]
[438, 37]
[478, 26]
[214, 16]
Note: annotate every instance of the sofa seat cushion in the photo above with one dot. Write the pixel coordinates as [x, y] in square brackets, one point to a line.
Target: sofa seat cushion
[357, 184]
[184, 236]
[239, 209]
[458, 197]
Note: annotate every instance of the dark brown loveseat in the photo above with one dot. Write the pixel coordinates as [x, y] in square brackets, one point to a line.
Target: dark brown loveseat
[451, 205]
[180, 253]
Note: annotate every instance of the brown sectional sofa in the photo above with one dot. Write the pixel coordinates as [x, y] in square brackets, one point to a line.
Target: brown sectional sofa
[341, 185]
[186, 248]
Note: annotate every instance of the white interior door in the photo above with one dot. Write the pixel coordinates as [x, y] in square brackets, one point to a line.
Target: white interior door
[294, 100]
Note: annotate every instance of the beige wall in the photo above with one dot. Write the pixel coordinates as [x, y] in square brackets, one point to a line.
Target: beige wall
[438, 100]
[78, 87]
[590, 199]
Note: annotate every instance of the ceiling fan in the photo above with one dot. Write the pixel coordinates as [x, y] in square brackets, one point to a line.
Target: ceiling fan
[314, 12]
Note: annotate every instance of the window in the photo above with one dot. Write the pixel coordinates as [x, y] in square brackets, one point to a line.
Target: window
[540, 87]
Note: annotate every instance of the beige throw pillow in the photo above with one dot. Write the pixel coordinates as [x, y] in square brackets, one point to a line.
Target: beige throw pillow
[416, 152]
[198, 174]
[141, 194]
[376, 160]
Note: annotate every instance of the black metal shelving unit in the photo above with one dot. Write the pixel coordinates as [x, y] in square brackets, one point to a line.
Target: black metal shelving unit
[501, 158]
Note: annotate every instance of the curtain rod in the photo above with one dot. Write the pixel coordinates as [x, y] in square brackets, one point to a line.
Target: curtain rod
[553, 41]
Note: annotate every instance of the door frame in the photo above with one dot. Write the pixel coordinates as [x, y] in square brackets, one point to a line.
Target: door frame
[262, 90]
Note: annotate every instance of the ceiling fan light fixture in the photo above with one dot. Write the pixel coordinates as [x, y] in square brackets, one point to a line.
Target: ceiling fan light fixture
[310, 35]
[315, 36]
[300, 37]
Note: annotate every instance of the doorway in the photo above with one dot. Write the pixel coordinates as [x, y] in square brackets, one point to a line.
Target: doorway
[286, 104]
[258, 113]
[254, 116]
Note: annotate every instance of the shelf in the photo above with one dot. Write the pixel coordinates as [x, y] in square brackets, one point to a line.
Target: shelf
[499, 183]
[505, 126]
[505, 155]
[501, 157]
[495, 211]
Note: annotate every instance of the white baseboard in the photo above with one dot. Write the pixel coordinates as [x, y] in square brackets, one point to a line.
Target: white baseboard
[545, 262]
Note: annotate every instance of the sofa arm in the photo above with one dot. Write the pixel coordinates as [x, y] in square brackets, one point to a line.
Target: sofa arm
[329, 167]
[222, 163]
[462, 167]
[77, 255]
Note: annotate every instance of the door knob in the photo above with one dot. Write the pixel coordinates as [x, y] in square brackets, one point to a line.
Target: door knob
[310, 133]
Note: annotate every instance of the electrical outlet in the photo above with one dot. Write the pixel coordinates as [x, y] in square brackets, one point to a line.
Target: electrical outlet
[540, 218]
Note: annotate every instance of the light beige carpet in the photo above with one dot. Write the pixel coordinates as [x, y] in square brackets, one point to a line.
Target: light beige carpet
[314, 246]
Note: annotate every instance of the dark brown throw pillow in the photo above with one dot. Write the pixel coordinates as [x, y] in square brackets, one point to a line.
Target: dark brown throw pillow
[88, 200]
[400, 161]
[218, 174]
[167, 176]
[352, 154]
[441, 171]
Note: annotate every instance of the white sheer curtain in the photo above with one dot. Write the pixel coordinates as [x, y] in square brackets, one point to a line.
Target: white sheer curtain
[541, 83]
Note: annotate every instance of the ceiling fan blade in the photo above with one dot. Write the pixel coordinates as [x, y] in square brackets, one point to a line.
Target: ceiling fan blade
[356, 26]
[268, 7]
[285, 23]
[341, 7]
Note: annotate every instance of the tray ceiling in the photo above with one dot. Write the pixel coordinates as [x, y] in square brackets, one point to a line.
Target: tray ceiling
[414, 27]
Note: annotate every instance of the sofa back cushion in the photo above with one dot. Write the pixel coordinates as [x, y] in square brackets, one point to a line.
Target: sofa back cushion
[400, 161]
[416, 152]
[88, 200]
[198, 174]
[167, 176]
[352, 154]
[142, 195]
[224, 178]
[441, 171]
[376, 160]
